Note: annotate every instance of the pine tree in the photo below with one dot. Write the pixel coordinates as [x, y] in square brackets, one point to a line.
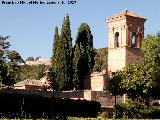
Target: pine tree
[83, 55]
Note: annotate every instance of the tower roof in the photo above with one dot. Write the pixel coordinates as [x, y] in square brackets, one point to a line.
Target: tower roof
[126, 12]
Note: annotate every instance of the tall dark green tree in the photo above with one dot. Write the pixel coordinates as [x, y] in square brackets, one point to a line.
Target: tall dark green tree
[83, 55]
[4, 46]
[55, 46]
[55, 60]
[64, 72]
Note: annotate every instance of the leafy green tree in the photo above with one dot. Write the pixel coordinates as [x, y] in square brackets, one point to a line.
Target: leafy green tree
[151, 49]
[9, 62]
[3, 73]
[138, 81]
[101, 58]
[83, 60]
[13, 67]
[31, 72]
[14, 57]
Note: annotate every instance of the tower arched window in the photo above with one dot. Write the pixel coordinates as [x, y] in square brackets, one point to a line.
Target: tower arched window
[117, 40]
[134, 39]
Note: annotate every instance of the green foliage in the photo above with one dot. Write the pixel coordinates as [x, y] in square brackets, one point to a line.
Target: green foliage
[115, 84]
[81, 67]
[55, 49]
[138, 81]
[81, 118]
[69, 63]
[62, 68]
[37, 106]
[141, 81]
[31, 72]
[55, 61]
[12, 68]
[9, 61]
[14, 57]
[83, 60]
[101, 58]
[151, 49]
[3, 73]
[133, 109]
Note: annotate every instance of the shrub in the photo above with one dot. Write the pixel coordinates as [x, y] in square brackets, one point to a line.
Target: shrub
[16, 105]
[133, 109]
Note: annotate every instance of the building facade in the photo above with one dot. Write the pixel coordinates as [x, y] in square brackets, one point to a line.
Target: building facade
[125, 35]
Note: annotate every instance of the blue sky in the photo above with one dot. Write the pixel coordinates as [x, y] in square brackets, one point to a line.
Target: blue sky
[31, 27]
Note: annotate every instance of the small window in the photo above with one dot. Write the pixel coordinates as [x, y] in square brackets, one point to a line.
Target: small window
[117, 40]
[134, 39]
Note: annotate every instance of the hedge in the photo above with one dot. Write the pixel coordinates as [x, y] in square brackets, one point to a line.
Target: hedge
[134, 110]
[15, 105]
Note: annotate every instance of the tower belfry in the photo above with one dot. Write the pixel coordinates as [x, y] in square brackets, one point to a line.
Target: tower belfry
[125, 34]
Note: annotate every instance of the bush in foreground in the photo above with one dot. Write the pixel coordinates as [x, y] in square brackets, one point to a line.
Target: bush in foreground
[133, 109]
[15, 105]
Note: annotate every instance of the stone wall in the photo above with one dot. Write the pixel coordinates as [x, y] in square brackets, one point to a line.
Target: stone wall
[99, 80]
[96, 81]
[103, 97]
[69, 94]
[134, 56]
[116, 59]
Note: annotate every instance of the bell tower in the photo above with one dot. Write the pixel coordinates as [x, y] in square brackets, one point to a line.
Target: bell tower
[125, 34]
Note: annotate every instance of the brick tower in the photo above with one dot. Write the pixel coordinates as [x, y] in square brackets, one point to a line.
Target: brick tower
[125, 32]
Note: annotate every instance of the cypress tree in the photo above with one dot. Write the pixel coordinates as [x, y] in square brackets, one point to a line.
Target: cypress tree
[80, 66]
[55, 47]
[55, 61]
[65, 58]
[83, 55]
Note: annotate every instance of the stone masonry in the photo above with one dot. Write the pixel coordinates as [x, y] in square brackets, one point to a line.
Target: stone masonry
[125, 35]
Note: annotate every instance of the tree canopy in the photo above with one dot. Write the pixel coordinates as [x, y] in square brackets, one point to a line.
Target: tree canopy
[151, 49]
[62, 57]
[83, 55]
[70, 65]
[101, 58]
[9, 62]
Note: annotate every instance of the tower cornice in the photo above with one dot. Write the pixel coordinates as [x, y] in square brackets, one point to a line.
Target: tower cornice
[123, 14]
